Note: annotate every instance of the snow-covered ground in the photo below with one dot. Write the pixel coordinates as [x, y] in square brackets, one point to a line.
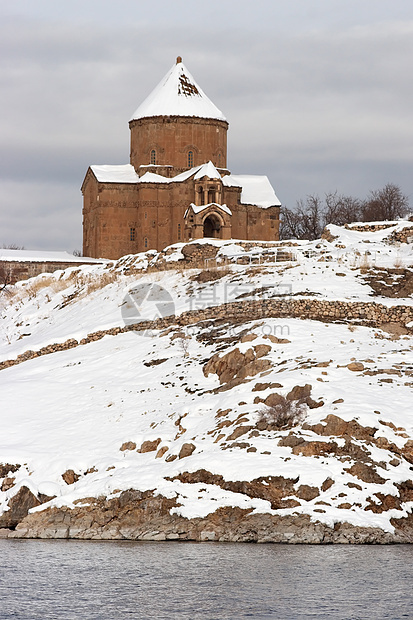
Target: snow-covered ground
[75, 409]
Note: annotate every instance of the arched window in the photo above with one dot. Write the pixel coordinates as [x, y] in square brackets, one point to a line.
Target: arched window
[190, 159]
[211, 195]
[132, 234]
[153, 157]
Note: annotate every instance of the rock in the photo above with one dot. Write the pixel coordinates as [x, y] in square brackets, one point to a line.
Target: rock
[128, 445]
[261, 349]
[299, 392]
[307, 493]
[161, 452]
[328, 483]
[186, 450]
[237, 365]
[19, 506]
[366, 473]
[70, 477]
[315, 448]
[7, 483]
[291, 441]
[276, 340]
[142, 516]
[248, 337]
[336, 426]
[150, 446]
[240, 430]
[6, 469]
[259, 387]
[355, 366]
[274, 399]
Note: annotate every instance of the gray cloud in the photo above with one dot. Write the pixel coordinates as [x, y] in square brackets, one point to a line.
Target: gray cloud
[315, 110]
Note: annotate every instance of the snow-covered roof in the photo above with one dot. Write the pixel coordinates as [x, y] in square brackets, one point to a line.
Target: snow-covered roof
[199, 209]
[40, 256]
[115, 174]
[177, 94]
[256, 190]
[207, 170]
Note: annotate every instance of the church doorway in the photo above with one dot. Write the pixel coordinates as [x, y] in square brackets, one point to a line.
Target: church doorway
[212, 227]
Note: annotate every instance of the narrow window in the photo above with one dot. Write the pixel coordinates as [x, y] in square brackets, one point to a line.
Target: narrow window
[132, 234]
[145, 242]
[153, 157]
[190, 159]
[179, 232]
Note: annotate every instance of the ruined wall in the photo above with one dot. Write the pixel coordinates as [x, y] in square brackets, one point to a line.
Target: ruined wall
[361, 313]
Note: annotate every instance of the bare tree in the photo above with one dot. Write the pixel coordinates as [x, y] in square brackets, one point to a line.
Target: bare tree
[388, 203]
[303, 223]
[340, 209]
[12, 246]
[77, 253]
[6, 274]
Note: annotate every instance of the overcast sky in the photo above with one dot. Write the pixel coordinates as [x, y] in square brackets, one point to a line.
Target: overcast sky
[318, 94]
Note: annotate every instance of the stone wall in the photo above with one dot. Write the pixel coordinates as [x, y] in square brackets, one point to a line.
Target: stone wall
[22, 270]
[360, 313]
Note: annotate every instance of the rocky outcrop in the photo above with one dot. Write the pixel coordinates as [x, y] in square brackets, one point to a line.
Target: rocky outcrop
[19, 506]
[136, 515]
[238, 365]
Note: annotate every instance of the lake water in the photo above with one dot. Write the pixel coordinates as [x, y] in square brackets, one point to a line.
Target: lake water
[115, 580]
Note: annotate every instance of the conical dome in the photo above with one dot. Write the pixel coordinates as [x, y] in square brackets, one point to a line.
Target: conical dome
[178, 95]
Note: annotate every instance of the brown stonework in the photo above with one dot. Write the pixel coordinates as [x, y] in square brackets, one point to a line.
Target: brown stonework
[126, 217]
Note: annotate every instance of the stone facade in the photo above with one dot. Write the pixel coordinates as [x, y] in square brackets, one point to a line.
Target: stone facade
[177, 186]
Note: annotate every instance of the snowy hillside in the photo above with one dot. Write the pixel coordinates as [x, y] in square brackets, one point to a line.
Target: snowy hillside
[188, 410]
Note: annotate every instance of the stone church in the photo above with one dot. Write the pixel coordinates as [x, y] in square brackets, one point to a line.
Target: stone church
[177, 186]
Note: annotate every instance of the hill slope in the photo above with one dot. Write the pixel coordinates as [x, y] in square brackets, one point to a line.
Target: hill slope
[230, 419]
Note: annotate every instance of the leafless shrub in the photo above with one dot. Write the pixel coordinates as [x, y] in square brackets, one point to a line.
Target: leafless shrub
[398, 262]
[285, 414]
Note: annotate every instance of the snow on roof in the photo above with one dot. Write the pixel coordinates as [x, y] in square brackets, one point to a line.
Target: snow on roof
[207, 170]
[198, 172]
[198, 209]
[40, 256]
[256, 190]
[177, 94]
[115, 174]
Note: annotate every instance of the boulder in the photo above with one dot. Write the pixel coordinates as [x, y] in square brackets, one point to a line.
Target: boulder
[150, 446]
[19, 507]
[70, 477]
[186, 450]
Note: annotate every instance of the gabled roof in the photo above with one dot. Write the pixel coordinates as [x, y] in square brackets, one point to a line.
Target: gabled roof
[124, 173]
[178, 95]
[256, 189]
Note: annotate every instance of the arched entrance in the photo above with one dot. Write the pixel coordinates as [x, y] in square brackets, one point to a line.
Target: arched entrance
[212, 226]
